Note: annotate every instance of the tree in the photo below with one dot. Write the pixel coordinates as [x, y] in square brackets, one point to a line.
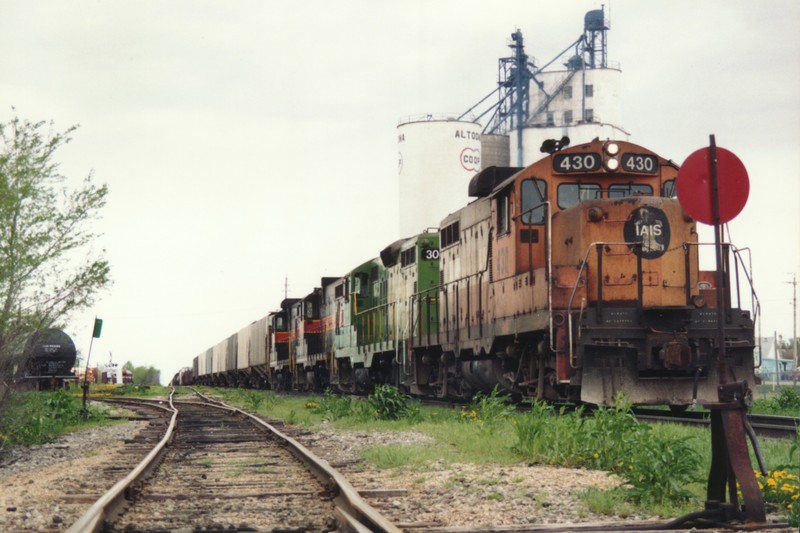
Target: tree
[48, 268]
[143, 375]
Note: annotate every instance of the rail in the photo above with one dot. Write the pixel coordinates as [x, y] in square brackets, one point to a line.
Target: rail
[356, 513]
[92, 520]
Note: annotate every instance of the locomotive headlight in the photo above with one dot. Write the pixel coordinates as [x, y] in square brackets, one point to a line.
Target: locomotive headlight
[612, 163]
[612, 148]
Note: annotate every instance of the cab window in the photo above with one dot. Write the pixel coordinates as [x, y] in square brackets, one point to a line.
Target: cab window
[310, 310]
[534, 193]
[668, 189]
[502, 214]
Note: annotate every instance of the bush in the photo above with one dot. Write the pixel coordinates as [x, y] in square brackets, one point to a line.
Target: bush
[388, 403]
[38, 417]
[786, 402]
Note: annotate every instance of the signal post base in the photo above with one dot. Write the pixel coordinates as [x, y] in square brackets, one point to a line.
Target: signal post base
[730, 460]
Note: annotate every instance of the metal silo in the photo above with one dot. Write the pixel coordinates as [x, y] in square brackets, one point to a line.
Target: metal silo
[437, 158]
[495, 150]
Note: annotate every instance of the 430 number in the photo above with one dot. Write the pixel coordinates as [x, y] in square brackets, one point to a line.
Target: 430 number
[582, 162]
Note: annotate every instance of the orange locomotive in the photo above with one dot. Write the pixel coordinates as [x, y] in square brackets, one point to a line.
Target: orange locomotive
[577, 278]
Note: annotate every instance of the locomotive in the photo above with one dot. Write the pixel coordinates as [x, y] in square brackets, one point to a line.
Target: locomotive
[574, 279]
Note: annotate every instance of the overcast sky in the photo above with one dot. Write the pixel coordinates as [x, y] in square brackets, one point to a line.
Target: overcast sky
[248, 141]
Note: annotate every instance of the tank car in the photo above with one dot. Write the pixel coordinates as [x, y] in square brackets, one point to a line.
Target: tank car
[50, 357]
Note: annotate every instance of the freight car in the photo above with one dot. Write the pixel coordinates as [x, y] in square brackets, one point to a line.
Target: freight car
[576, 278]
[50, 357]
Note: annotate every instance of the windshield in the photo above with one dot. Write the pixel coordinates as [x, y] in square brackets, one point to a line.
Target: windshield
[570, 194]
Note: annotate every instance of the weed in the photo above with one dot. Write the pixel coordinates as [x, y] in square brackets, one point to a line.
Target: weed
[38, 417]
[488, 411]
[656, 470]
[660, 469]
[388, 403]
[332, 406]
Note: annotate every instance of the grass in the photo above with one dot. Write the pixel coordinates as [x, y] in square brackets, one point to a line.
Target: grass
[34, 418]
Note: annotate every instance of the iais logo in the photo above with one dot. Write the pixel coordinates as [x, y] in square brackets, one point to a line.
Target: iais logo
[471, 159]
[650, 227]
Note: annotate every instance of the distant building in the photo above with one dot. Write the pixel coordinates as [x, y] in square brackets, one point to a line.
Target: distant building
[772, 358]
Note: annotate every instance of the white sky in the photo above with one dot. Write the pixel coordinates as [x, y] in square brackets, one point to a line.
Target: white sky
[245, 141]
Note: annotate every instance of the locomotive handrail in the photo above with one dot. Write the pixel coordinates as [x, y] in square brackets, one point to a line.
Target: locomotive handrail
[754, 302]
[370, 312]
[584, 264]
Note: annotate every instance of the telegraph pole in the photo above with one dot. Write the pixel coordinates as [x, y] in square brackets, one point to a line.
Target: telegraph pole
[794, 322]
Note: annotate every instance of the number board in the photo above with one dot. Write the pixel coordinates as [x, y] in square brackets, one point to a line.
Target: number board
[430, 254]
[576, 162]
[641, 163]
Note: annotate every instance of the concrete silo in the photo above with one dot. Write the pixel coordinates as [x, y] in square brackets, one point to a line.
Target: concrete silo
[437, 158]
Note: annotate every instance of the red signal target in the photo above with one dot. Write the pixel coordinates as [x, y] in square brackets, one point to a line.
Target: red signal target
[694, 185]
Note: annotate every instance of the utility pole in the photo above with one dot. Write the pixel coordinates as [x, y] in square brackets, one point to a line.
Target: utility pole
[794, 322]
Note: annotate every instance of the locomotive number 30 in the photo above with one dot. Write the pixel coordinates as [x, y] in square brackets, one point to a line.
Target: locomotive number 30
[430, 254]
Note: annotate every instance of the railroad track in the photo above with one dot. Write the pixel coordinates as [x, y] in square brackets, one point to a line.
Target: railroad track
[764, 425]
[779, 427]
[219, 468]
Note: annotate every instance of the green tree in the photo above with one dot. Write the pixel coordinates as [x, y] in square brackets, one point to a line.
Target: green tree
[146, 375]
[48, 267]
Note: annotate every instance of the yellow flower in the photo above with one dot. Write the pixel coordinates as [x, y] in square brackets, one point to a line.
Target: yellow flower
[772, 483]
[597, 455]
[630, 467]
[760, 486]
